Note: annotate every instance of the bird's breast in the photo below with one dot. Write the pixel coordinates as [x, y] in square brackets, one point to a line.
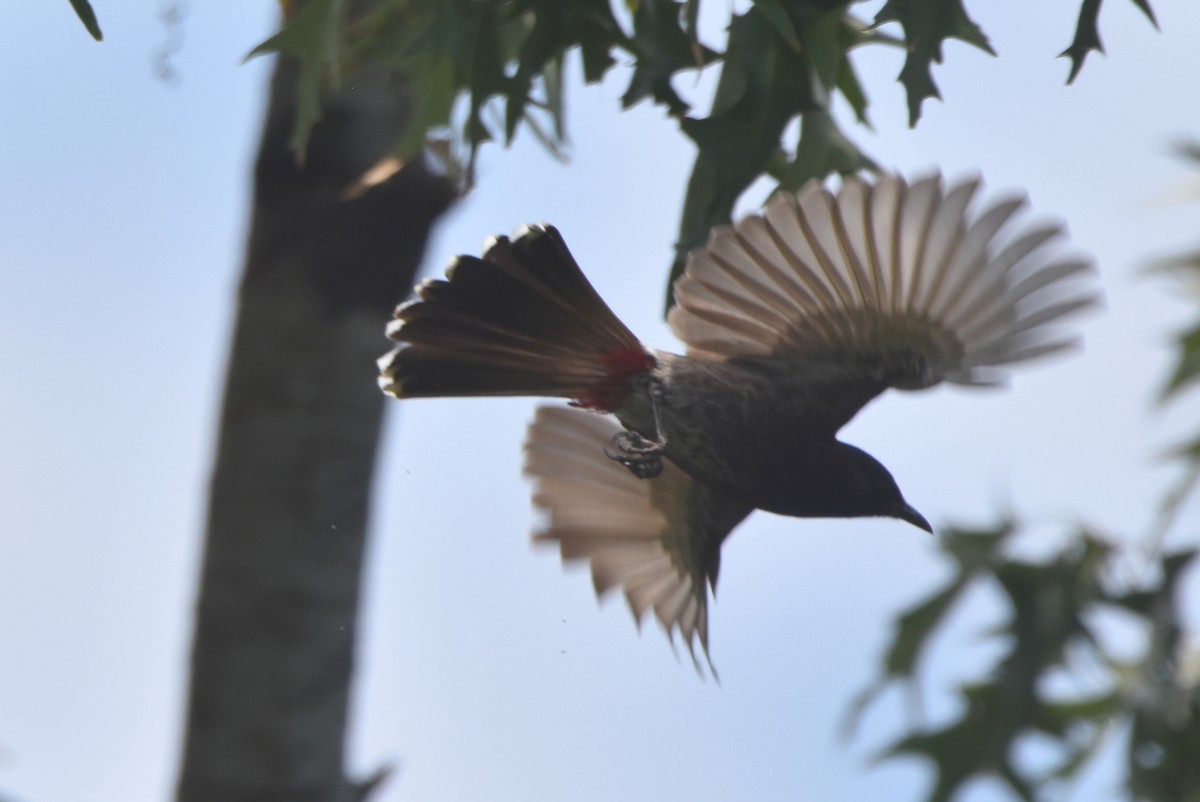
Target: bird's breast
[740, 428]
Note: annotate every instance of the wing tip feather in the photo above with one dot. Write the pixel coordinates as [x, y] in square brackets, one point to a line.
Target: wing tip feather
[996, 265]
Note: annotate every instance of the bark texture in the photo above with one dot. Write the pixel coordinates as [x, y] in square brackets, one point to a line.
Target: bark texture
[272, 657]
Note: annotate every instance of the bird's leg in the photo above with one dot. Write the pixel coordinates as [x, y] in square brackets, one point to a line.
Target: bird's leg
[643, 457]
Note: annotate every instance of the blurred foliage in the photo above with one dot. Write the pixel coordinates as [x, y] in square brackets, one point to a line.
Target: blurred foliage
[88, 17]
[1185, 375]
[1054, 636]
[481, 70]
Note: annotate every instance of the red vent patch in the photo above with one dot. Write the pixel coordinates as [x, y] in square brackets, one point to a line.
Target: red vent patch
[621, 368]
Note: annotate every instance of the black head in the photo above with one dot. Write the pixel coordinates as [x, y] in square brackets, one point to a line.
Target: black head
[837, 481]
[872, 490]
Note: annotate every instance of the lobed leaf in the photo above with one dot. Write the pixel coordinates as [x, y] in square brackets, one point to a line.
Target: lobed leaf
[663, 47]
[1087, 34]
[1050, 602]
[83, 9]
[313, 34]
[765, 84]
[926, 24]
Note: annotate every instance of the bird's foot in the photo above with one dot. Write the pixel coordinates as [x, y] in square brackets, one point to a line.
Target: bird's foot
[641, 456]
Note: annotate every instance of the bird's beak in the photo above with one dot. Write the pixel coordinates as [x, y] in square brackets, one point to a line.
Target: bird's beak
[907, 513]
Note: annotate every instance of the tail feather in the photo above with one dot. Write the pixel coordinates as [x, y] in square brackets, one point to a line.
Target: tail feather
[657, 541]
[521, 320]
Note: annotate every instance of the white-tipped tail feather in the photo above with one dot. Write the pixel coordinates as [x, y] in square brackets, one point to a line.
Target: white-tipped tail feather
[521, 320]
[882, 271]
[657, 540]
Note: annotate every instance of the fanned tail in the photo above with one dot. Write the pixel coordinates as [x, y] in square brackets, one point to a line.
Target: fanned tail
[521, 320]
[658, 540]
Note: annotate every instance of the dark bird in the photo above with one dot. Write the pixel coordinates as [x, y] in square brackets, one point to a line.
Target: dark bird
[794, 319]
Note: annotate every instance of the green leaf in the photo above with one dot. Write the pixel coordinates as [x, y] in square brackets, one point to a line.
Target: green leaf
[1080, 751]
[483, 56]
[505, 56]
[848, 84]
[88, 17]
[916, 625]
[1057, 718]
[555, 27]
[978, 743]
[1087, 37]
[597, 33]
[974, 551]
[1087, 33]
[823, 149]
[313, 32]
[552, 80]
[857, 32]
[1173, 502]
[927, 23]
[1050, 603]
[977, 550]
[827, 40]
[764, 84]
[912, 631]
[1165, 736]
[663, 47]
[1144, 6]
[1188, 149]
[432, 101]
[691, 23]
[314, 36]
[1187, 366]
[774, 12]
[854, 33]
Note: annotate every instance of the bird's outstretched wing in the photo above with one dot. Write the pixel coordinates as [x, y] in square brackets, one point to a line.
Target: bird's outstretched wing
[902, 280]
[658, 540]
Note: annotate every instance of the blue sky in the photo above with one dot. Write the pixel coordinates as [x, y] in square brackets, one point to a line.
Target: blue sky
[485, 672]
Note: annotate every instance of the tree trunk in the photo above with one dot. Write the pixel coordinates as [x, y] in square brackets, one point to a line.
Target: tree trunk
[273, 652]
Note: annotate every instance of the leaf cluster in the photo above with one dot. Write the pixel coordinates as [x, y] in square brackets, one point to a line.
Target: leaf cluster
[480, 70]
[1185, 374]
[1051, 634]
[1153, 699]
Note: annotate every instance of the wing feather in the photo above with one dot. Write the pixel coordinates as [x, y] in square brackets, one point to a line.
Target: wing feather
[901, 278]
[656, 540]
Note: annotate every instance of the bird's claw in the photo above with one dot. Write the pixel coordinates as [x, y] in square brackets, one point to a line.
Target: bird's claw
[641, 456]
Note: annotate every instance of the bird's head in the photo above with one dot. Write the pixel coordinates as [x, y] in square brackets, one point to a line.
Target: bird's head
[873, 491]
[840, 481]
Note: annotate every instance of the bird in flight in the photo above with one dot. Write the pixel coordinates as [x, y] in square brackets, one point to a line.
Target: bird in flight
[793, 318]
